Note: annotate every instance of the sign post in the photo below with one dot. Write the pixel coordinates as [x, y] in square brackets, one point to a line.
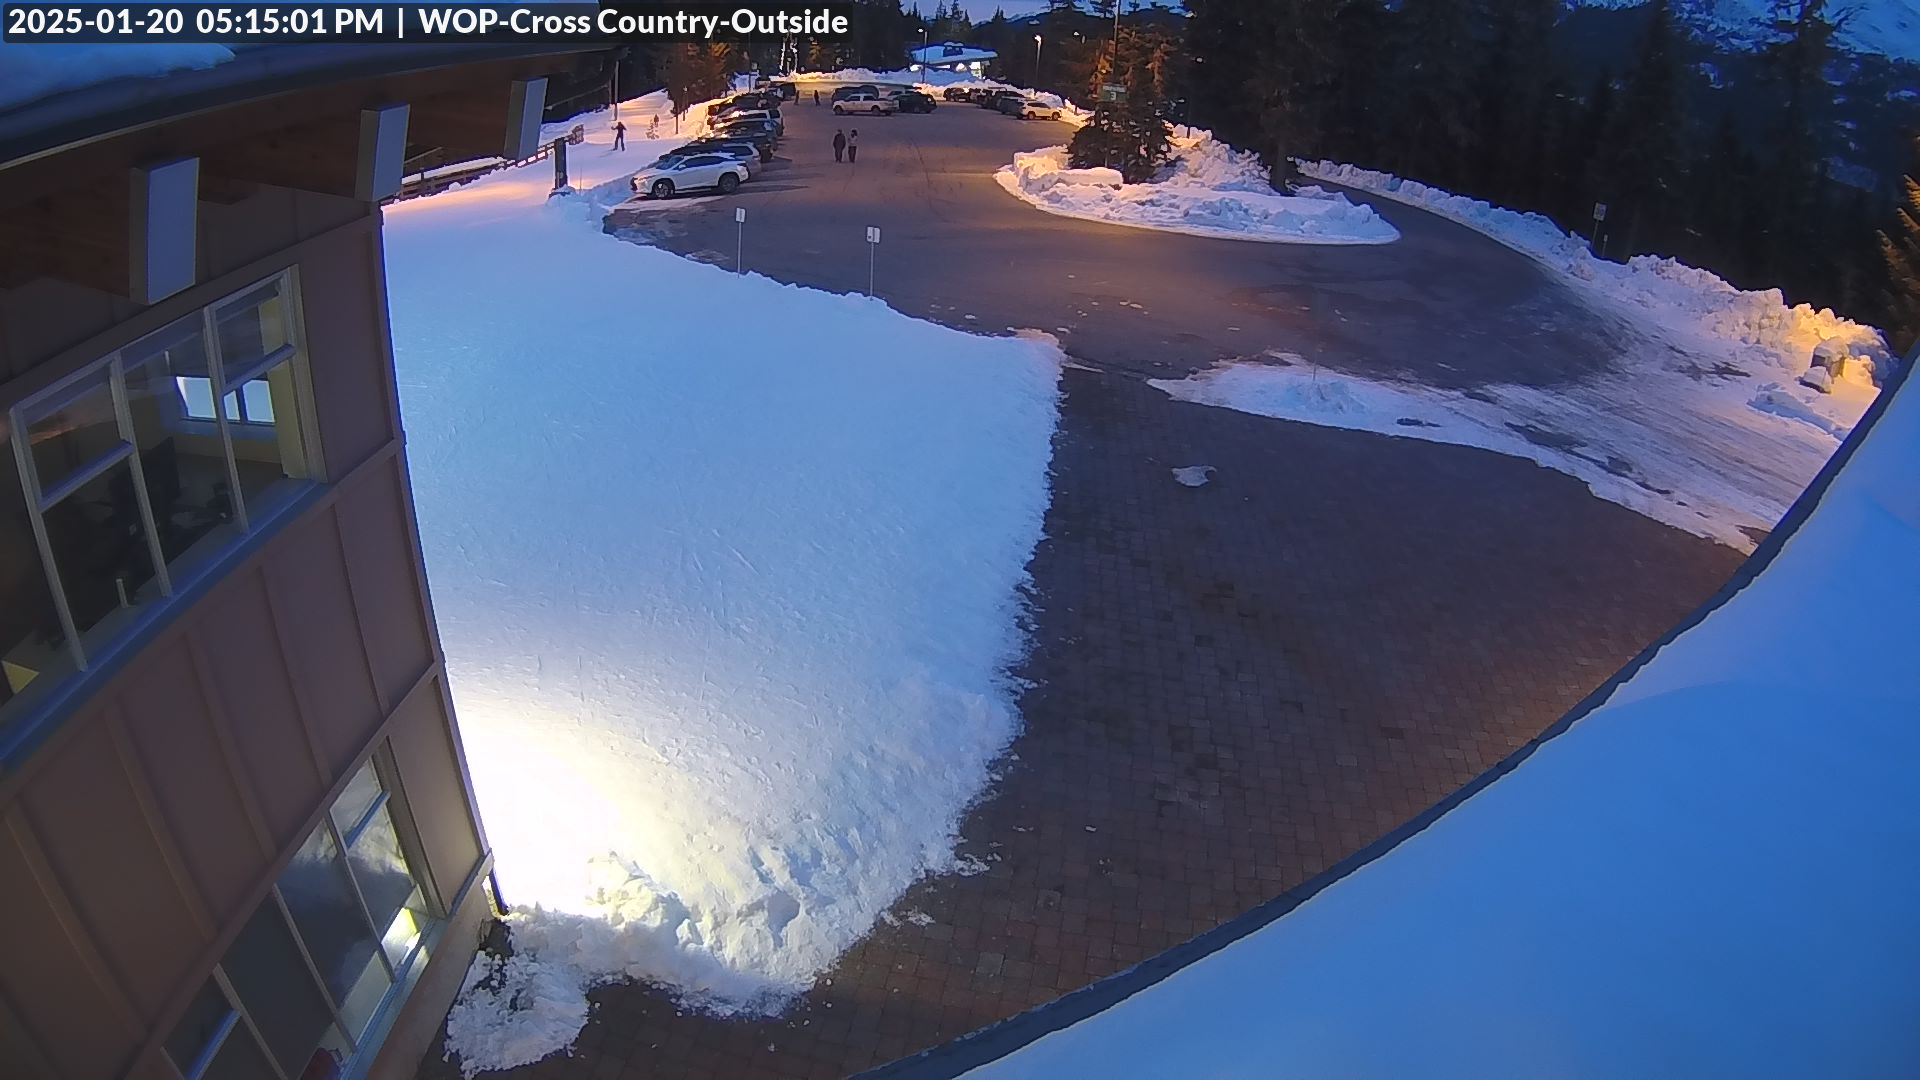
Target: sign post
[1599, 216]
[739, 236]
[873, 242]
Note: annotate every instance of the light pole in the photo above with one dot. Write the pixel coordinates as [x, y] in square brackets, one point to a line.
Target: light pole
[1036, 61]
[923, 54]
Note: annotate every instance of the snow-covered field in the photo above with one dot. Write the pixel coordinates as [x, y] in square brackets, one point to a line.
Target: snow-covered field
[1710, 875]
[1705, 424]
[1209, 189]
[728, 577]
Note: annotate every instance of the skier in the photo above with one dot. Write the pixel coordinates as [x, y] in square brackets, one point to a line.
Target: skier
[839, 146]
[853, 146]
[816, 97]
[619, 135]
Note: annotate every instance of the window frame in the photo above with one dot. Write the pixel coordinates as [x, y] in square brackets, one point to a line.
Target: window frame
[399, 976]
[115, 365]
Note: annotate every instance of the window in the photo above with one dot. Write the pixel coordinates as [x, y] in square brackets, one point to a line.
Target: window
[296, 995]
[126, 478]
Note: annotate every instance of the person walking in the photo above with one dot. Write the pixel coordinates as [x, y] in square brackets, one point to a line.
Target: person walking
[839, 146]
[853, 146]
[619, 135]
[816, 97]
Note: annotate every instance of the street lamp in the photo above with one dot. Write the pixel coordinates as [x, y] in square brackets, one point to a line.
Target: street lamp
[1036, 61]
[923, 54]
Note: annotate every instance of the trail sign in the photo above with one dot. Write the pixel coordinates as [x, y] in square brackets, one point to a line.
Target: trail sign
[873, 234]
[1599, 211]
[740, 214]
[1112, 92]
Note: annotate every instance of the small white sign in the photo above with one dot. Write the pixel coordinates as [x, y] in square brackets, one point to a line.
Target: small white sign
[740, 214]
[873, 234]
[1599, 211]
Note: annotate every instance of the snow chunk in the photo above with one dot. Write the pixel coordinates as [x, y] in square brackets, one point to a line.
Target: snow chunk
[1193, 475]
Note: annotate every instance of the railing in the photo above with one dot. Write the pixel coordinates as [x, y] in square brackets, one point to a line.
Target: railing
[430, 173]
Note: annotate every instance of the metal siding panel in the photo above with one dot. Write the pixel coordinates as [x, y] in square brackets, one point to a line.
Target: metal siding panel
[168, 722]
[380, 553]
[430, 778]
[346, 347]
[100, 844]
[44, 977]
[308, 578]
[20, 1053]
[255, 686]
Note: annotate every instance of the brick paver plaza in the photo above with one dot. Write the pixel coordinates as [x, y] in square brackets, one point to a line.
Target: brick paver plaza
[1234, 686]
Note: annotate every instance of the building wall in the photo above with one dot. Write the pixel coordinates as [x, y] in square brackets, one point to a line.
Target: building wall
[155, 817]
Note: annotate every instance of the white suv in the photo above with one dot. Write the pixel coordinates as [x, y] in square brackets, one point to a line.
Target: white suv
[866, 103]
[673, 174]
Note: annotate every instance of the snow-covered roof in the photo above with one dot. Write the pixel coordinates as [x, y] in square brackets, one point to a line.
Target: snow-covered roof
[950, 52]
[52, 96]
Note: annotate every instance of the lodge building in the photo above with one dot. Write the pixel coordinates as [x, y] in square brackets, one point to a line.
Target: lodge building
[237, 835]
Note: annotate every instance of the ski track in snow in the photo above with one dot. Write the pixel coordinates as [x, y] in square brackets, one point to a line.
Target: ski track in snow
[727, 574]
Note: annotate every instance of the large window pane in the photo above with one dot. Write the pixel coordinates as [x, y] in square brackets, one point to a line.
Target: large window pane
[31, 642]
[265, 968]
[362, 791]
[334, 928]
[100, 547]
[72, 430]
[261, 406]
[240, 1059]
[171, 401]
[394, 901]
[207, 1019]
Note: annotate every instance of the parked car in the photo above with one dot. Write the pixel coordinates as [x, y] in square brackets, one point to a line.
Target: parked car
[957, 93]
[866, 103]
[733, 116]
[671, 175]
[785, 91]
[1010, 104]
[1035, 109]
[749, 129]
[738, 149]
[761, 151]
[845, 92]
[998, 99]
[913, 101]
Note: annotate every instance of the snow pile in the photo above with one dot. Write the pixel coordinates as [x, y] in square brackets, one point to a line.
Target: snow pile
[1616, 905]
[1208, 190]
[728, 604]
[1706, 453]
[1695, 308]
[31, 72]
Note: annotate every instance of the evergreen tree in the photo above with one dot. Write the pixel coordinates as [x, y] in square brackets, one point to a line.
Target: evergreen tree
[694, 72]
[1516, 91]
[1357, 93]
[1434, 131]
[1900, 248]
[1796, 61]
[1639, 164]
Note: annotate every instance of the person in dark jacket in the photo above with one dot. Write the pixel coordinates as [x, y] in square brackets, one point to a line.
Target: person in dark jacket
[839, 146]
[619, 135]
[853, 146]
[816, 97]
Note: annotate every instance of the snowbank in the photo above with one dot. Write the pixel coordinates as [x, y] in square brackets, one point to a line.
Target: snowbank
[1710, 875]
[1693, 305]
[727, 613]
[31, 72]
[1708, 454]
[1210, 189]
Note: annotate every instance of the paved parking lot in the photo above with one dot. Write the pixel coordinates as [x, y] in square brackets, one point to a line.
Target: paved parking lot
[1233, 686]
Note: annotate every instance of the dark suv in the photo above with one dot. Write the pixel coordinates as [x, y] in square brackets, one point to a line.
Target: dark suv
[914, 101]
[957, 93]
